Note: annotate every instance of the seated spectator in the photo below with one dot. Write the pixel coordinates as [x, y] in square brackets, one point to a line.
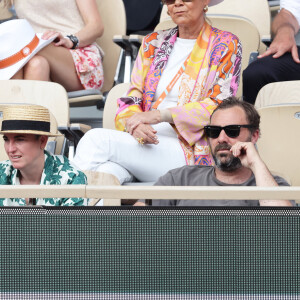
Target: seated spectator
[25, 130]
[73, 59]
[281, 61]
[180, 76]
[233, 132]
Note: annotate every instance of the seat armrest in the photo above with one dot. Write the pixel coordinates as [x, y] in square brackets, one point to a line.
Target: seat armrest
[64, 129]
[274, 3]
[69, 140]
[73, 134]
[128, 51]
[136, 40]
[123, 42]
[79, 129]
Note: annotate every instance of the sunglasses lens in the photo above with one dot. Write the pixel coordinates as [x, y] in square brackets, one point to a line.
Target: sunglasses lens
[212, 132]
[232, 131]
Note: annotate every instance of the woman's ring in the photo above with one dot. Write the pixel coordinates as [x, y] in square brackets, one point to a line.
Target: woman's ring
[140, 140]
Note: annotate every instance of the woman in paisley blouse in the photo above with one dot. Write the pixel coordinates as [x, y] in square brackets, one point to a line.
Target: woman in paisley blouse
[179, 77]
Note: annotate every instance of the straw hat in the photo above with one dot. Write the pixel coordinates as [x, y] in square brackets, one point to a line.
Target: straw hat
[27, 118]
[214, 2]
[18, 43]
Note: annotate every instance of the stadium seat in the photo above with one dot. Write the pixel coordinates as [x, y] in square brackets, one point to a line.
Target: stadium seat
[110, 107]
[279, 143]
[141, 18]
[284, 92]
[278, 104]
[49, 94]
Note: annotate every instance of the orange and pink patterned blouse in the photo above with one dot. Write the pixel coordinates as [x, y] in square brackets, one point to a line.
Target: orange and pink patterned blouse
[212, 74]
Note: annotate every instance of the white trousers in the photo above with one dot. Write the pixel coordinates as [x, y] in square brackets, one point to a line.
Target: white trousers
[118, 153]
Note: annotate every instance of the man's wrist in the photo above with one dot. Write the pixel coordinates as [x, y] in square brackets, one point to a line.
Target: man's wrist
[286, 27]
[258, 166]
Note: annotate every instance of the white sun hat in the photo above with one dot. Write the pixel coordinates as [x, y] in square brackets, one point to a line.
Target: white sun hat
[214, 2]
[18, 43]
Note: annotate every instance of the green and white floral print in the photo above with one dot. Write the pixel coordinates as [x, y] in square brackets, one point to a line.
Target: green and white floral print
[57, 171]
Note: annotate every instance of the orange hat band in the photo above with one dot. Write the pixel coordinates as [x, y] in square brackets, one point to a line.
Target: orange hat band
[9, 61]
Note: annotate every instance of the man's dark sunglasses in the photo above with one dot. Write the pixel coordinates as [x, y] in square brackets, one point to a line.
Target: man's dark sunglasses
[231, 131]
[169, 2]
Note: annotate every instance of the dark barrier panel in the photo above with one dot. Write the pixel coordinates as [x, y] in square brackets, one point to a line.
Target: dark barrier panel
[149, 253]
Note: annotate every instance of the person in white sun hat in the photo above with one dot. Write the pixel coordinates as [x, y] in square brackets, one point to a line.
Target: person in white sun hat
[73, 59]
[25, 130]
[21, 44]
[180, 76]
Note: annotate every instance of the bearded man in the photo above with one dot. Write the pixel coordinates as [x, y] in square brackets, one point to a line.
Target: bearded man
[232, 134]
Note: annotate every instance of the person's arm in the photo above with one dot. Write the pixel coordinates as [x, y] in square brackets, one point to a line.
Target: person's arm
[92, 29]
[284, 28]
[130, 111]
[131, 103]
[250, 158]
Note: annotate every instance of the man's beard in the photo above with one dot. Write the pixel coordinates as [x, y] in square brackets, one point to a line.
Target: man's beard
[226, 162]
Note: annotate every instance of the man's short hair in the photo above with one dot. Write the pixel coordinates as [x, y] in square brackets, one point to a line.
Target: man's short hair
[252, 116]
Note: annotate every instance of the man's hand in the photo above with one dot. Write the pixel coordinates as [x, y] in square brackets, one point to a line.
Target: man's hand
[250, 158]
[284, 28]
[247, 154]
[283, 42]
[148, 117]
[147, 133]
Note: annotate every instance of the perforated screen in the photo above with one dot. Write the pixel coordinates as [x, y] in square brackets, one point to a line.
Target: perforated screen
[149, 253]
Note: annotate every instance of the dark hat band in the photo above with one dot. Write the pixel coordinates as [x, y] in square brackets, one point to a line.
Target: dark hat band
[25, 125]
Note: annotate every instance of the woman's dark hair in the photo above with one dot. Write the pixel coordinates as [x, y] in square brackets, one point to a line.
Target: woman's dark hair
[253, 118]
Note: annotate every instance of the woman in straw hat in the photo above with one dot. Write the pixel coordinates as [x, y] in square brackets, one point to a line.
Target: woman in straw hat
[74, 59]
[25, 130]
[180, 76]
